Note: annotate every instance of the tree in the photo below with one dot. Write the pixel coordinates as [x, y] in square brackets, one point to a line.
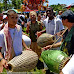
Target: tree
[58, 7]
[5, 4]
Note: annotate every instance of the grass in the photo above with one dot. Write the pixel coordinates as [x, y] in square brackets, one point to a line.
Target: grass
[31, 72]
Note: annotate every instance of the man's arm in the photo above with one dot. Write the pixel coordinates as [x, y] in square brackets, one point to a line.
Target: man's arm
[43, 31]
[27, 28]
[53, 46]
[24, 33]
[25, 45]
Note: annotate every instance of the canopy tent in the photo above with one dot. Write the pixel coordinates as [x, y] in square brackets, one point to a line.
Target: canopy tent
[69, 6]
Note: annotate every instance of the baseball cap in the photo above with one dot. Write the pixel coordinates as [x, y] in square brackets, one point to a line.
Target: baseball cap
[10, 11]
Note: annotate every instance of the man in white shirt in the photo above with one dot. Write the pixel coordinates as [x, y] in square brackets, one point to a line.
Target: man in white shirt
[52, 24]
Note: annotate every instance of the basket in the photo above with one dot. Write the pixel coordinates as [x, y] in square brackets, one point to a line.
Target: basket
[24, 62]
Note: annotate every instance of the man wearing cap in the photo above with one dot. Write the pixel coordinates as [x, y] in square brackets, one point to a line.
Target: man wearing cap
[68, 43]
[10, 39]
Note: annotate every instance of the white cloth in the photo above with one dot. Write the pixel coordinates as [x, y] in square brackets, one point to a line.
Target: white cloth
[69, 67]
[27, 40]
[17, 40]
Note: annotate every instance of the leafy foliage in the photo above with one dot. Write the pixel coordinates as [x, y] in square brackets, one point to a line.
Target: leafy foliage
[59, 7]
[9, 4]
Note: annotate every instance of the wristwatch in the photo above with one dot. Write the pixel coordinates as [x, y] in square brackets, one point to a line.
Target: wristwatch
[1, 59]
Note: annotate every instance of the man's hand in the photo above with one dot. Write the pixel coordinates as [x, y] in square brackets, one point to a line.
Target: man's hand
[47, 47]
[28, 49]
[38, 34]
[23, 23]
[3, 63]
[59, 34]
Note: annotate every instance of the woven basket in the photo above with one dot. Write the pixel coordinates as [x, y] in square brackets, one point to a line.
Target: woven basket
[46, 39]
[24, 62]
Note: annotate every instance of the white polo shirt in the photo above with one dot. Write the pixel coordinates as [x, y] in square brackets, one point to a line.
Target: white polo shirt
[53, 26]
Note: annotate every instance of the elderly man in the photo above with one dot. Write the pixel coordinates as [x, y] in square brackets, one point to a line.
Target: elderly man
[32, 27]
[10, 39]
[68, 43]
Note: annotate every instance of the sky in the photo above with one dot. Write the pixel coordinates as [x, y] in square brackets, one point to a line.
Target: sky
[67, 2]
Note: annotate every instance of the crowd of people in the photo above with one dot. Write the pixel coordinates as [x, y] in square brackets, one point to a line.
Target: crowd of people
[12, 28]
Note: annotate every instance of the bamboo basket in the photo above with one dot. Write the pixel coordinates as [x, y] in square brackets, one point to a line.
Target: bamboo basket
[24, 62]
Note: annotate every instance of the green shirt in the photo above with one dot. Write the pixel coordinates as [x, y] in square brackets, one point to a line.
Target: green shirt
[67, 45]
[33, 29]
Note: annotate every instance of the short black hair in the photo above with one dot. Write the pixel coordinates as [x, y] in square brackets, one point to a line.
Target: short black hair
[50, 8]
[68, 15]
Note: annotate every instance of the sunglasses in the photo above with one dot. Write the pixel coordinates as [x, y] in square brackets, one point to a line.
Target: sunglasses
[48, 11]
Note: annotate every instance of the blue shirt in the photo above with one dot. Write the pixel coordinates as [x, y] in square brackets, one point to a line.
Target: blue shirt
[16, 38]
